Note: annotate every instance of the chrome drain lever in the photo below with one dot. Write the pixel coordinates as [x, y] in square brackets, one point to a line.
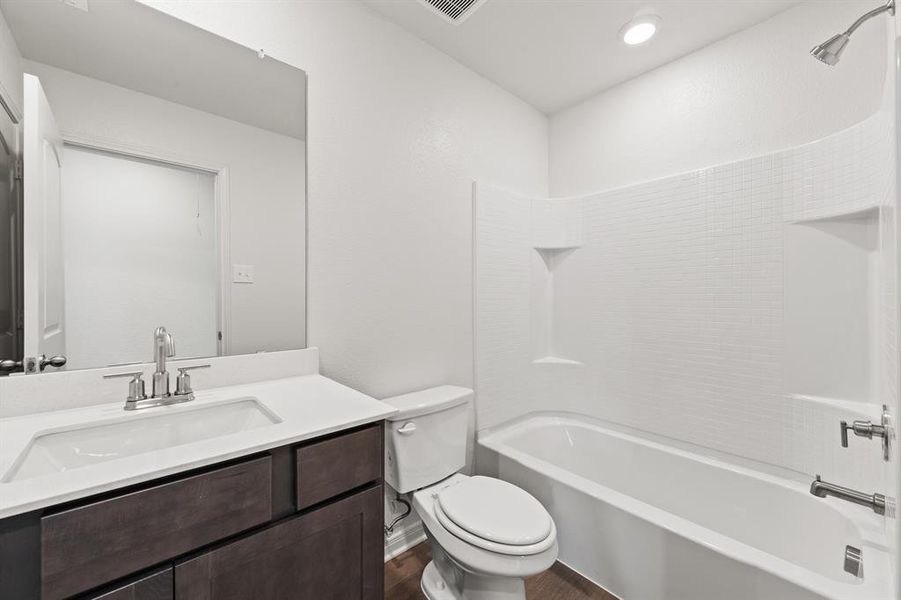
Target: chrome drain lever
[853, 561]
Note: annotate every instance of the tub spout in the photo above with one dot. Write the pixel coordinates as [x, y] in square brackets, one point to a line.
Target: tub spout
[822, 489]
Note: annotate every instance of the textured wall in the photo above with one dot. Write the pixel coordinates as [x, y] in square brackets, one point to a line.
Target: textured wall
[669, 315]
[397, 133]
[754, 92]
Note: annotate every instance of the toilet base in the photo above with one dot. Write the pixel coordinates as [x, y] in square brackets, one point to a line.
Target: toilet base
[444, 580]
[433, 585]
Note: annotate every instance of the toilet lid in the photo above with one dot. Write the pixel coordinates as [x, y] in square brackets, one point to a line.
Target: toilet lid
[495, 510]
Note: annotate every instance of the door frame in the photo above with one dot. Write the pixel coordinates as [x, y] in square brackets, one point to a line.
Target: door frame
[10, 140]
[220, 173]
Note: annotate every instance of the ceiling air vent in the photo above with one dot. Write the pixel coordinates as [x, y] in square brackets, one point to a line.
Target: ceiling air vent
[455, 11]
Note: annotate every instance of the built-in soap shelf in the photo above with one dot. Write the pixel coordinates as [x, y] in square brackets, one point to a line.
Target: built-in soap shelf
[556, 360]
[553, 256]
[556, 235]
[855, 409]
[857, 214]
[830, 305]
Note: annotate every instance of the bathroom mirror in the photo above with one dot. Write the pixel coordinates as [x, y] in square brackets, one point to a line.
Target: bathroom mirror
[161, 181]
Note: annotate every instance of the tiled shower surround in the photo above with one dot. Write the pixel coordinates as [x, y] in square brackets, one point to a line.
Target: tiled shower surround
[663, 306]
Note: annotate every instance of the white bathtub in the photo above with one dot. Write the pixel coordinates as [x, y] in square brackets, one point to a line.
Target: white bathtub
[648, 521]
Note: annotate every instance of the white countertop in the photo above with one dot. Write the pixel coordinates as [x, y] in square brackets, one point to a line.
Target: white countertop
[308, 406]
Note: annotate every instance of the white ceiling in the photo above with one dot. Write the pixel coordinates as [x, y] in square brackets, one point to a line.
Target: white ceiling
[555, 53]
[136, 47]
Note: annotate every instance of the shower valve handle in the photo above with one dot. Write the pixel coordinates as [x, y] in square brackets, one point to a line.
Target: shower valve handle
[861, 429]
[867, 429]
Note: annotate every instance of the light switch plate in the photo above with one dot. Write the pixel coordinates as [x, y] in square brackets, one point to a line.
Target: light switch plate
[242, 273]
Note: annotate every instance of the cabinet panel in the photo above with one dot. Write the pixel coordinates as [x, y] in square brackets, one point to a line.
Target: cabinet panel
[156, 586]
[334, 466]
[334, 552]
[87, 546]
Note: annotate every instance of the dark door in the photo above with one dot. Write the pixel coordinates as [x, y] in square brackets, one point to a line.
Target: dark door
[334, 552]
[10, 248]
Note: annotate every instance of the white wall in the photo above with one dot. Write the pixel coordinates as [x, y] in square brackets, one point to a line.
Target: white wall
[265, 181]
[755, 92]
[397, 133]
[136, 257]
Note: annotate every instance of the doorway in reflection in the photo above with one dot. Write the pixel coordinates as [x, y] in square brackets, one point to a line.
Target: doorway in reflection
[147, 253]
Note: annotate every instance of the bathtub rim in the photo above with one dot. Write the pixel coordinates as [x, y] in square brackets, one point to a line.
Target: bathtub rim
[873, 536]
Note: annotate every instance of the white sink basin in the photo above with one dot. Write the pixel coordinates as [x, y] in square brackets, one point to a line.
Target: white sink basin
[93, 443]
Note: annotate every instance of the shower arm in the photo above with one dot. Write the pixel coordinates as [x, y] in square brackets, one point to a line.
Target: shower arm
[888, 7]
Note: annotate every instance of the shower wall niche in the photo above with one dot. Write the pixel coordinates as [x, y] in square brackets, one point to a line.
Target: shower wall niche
[832, 306]
[556, 234]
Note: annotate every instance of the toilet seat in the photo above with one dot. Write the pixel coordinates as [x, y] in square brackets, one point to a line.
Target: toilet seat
[496, 516]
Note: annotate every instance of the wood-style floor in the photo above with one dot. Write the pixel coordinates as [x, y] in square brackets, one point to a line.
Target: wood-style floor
[402, 576]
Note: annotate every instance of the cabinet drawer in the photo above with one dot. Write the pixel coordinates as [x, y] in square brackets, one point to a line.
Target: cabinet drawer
[156, 586]
[331, 467]
[87, 546]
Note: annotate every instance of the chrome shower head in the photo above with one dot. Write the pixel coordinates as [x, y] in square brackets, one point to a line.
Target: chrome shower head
[830, 51]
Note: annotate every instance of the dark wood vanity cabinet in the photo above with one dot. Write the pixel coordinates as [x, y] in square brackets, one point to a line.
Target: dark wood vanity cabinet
[113, 538]
[331, 552]
[325, 468]
[154, 586]
[297, 522]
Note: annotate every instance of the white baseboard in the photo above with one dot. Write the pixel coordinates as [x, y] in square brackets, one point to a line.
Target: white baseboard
[403, 539]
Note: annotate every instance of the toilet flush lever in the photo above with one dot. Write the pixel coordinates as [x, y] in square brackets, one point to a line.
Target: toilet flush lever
[407, 429]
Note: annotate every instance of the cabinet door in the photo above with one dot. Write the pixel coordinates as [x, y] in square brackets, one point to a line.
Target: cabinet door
[334, 552]
[91, 545]
[156, 586]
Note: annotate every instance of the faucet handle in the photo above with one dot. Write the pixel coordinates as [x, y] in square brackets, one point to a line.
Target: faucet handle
[183, 381]
[182, 370]
[136, 390]
[844, 427]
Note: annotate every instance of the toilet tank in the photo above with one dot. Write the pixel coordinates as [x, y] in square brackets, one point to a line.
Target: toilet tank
[426, 440]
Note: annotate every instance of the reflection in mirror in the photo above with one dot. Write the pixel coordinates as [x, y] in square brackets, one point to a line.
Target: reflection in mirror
[163, 185]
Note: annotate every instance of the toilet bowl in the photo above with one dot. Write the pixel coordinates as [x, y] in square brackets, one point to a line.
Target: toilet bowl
[486, 534]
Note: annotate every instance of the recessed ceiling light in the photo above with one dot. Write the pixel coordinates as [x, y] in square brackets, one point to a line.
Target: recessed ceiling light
[639, 30]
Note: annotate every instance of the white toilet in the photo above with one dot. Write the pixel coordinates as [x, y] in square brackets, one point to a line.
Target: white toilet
[486, 534]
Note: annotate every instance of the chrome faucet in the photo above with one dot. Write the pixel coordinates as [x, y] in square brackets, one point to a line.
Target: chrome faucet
[822, 489]
[163, 348]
